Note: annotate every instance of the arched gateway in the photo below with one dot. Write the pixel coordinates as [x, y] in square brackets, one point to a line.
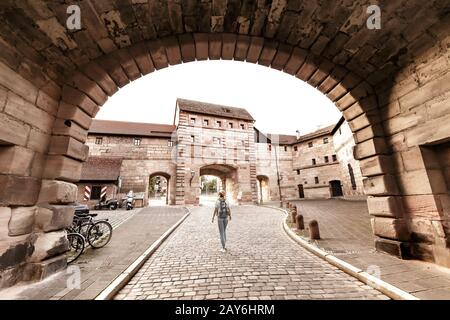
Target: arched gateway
[392, 86]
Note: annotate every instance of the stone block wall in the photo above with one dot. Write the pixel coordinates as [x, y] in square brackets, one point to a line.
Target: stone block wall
[415, 112]
[343, 145]
[269, 159]
[31, 211]
[200, 146]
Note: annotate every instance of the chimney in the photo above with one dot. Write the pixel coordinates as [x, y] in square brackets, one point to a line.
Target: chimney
[298, 134]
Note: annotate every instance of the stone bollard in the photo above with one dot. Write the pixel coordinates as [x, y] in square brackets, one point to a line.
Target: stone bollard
[314, 233]
[300, 223]
[293, 211]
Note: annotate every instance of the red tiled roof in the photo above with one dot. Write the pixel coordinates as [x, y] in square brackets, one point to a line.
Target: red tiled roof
[213, 109]
[101, 169]
[131, 128]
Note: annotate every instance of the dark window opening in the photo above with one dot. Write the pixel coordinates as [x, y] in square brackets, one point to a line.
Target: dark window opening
[352, 176]
[310, 144]
[270, 147]
[206, 122]
[325, 140]
[314, 162]
[242, 126]
[316, 180]
[327, 159]
[98, 140]
[334, 158]
[298, 171]
[285, 149]
[295, 148]
[96, 193]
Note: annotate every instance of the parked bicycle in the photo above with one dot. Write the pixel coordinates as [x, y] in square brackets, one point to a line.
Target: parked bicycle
[84, 228]
[97, 232]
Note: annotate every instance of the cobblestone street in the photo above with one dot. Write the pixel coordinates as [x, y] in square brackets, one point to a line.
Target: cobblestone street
[346, 233]
[261, 263]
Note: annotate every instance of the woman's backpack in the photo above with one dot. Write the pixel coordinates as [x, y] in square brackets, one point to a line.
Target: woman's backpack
[223, 208]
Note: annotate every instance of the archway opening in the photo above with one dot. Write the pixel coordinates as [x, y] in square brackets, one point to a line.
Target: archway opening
[263, 189]
[215, 178]
[158, 189]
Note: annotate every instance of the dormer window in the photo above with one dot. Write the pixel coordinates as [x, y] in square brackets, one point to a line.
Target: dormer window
[137, 141]
[230, 125]
[98, 140]
[192, 121]
[206, 122]
[242, 126]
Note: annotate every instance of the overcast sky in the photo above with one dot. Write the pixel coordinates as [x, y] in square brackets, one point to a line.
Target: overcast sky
[280, 103]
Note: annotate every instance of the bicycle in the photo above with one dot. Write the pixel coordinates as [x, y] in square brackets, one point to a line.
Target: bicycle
[97, 233]
[76, 246]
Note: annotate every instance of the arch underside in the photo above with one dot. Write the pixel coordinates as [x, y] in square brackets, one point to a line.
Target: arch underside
[391, 85]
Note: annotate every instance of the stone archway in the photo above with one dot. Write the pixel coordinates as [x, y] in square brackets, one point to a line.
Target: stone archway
[263, 188]
[392, 86]
[228, 175]
[167, 187]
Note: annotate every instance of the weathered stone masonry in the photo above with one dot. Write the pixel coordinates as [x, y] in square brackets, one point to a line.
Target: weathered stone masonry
[392, 86]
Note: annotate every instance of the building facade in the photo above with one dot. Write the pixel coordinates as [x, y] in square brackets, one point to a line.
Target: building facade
[210, 139]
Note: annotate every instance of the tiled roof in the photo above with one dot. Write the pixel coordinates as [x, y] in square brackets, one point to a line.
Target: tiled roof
[321, 132]
[101, 169]
[282, 138]
[213, 109]
[131, 128]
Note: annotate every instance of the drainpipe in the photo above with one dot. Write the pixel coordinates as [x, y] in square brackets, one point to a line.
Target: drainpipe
[278, 177]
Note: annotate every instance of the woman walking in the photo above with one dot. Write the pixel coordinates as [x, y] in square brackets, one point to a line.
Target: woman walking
[223, 213]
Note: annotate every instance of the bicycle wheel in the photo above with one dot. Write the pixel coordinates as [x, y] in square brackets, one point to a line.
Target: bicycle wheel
[99, 234]
[76, 246]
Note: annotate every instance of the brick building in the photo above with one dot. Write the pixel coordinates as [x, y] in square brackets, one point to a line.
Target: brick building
[210, 139]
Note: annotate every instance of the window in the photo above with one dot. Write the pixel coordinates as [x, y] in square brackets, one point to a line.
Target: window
[218, 124]
[314, 162]
[310, 144]
[298, 171]
[334, 158]
[327, 159]
[270, 147]
[206, 122]
[243, 126]
[96, 192]
[192, 138]
[340, 131]
[325, 140]
[230, 125]
[98, 140]
[295, 148]
[316, 180]
[352, 176]
[170, 143]
[137, 141]
[192, 121]
[216, 140]
[285, 149]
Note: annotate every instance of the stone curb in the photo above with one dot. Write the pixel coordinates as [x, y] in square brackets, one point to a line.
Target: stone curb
[120, 281]
[380, 285]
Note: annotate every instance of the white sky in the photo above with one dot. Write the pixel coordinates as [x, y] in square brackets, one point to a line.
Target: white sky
[279, 102]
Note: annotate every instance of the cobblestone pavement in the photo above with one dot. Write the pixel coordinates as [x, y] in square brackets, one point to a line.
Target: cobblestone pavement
[346, 233]
[115, 217]
[261, 263]
[134, 232]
